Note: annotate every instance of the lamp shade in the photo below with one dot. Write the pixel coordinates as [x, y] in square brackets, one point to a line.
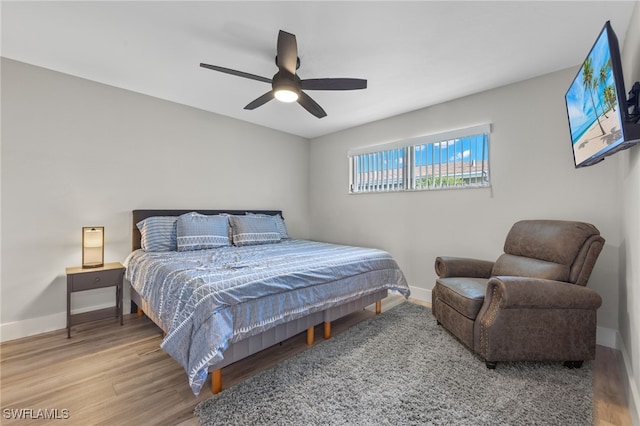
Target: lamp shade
[92, 246]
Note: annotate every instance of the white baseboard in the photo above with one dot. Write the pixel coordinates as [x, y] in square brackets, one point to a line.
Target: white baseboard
[421, 294]
[611, 338]
[632, 389]
[608, 337]
[32, 326]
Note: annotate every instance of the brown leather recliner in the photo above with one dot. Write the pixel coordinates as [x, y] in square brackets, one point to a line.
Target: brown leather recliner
[532, 304]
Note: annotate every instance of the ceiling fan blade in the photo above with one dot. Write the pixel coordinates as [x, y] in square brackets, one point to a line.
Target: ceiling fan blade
[333, 84]
[287, 56]
[311, 105]
[236, 73]
[260, 101]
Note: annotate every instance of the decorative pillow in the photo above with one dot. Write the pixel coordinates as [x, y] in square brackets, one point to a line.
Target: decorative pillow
[279, 221]
[158, 233]
[254, 229]
[199, 232]
[229, 230]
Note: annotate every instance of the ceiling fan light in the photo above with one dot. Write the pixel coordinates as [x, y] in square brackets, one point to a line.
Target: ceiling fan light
[286, 95]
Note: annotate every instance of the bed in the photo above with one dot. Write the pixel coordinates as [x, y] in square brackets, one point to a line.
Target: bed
[225, 284]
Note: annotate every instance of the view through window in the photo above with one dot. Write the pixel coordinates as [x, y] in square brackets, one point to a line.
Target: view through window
[456, 159]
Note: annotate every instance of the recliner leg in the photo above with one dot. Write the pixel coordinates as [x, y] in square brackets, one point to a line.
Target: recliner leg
[491, 365]
[573, 364]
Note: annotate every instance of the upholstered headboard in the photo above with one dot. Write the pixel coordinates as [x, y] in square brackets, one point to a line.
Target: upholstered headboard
[139, 215]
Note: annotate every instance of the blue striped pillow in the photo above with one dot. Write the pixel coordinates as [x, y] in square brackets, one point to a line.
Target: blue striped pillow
[158, 233]
[279, 221]
[199, 232]
[250, 230]
[282, 228]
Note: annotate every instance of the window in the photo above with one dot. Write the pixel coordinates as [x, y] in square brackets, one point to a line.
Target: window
[456, 159]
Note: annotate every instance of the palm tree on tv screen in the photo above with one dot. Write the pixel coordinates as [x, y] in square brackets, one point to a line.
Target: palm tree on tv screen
[603, 79]
[610, 97]
[587, 81]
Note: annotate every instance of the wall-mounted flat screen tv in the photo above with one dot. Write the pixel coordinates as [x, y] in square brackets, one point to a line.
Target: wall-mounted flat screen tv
[596, 104]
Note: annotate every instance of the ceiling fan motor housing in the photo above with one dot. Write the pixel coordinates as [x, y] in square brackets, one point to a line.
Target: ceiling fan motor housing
[287, 82]
[297, 62]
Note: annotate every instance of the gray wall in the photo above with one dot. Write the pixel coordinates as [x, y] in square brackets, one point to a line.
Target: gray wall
[77, 153]
[629, 301]
[532, 177]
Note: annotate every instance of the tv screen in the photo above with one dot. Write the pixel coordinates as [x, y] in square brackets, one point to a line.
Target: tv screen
[596, 103]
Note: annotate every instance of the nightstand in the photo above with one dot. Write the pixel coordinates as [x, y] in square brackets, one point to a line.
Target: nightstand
[79, 279]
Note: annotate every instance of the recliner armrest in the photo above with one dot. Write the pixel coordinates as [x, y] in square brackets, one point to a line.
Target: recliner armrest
[447, 266]
[536, 293]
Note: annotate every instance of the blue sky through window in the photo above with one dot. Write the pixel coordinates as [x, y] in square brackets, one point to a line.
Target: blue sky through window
[464, 149]
[458, 150]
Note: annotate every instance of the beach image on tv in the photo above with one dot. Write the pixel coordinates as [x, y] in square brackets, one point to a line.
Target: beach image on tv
[592, 105]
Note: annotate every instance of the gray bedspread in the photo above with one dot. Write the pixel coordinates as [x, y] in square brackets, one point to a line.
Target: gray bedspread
[202, 296]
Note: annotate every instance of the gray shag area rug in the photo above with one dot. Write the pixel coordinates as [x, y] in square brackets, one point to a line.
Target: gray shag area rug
[401, 368]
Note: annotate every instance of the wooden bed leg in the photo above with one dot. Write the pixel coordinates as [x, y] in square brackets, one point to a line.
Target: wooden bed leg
[140, 313]
[216, 381]
[378, 307]
[310, 335]
[327, 330]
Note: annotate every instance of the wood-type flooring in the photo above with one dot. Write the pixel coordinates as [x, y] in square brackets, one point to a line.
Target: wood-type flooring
[108, 374]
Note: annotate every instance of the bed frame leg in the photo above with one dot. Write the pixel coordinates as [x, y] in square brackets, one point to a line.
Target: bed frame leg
[378, 307]
[216, 381]
[310, 335]
[140, 313]
[327, 330]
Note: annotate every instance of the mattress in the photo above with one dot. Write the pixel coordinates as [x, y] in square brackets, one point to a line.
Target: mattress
[207, 299]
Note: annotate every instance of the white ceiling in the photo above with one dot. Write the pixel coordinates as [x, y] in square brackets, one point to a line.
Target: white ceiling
[413, 54]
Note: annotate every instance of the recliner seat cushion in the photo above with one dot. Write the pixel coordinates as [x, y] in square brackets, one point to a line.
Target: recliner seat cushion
[463, 294]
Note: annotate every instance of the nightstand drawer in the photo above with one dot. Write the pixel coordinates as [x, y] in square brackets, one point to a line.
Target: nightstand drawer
[98, 279]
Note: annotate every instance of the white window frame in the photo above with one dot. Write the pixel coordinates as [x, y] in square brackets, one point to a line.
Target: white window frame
[392, 167]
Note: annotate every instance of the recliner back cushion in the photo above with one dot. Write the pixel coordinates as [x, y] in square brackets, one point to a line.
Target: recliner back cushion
[519, 266]
[549, 240]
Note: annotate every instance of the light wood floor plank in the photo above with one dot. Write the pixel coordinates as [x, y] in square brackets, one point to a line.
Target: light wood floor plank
[112, 375]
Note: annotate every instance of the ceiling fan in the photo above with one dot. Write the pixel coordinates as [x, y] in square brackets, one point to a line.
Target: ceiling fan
[286, 85]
